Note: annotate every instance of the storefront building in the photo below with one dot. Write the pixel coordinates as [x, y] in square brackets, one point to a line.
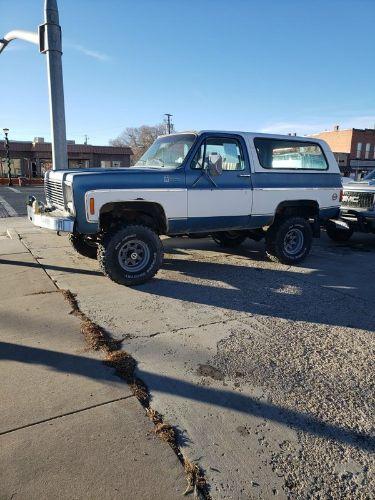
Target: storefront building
[33, 159]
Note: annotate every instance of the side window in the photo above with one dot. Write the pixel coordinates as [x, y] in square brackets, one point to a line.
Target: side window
[229, 149]
[290, 155]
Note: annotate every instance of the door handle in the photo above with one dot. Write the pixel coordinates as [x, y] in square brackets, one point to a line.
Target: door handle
[243, 175]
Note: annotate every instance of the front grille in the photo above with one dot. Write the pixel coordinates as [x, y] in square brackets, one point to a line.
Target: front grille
[54, 192]
[357, 199]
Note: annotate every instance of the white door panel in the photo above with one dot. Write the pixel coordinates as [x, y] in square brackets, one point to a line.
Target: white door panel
[219, 202]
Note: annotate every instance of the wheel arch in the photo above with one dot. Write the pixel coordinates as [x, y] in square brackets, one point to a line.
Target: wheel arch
[148, 213]
[301, 208]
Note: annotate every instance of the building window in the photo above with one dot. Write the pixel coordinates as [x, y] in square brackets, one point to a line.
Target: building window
[367, 151]
[105, 164]
[359, 149]
[290, 155]
[15, 167]
[79, 163]
[116, 164]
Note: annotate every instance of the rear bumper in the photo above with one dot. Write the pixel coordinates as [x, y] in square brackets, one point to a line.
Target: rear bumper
[359, 220]
[54, 220]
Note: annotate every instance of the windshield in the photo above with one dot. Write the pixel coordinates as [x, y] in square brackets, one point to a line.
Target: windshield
[167, 151]
[370, 176]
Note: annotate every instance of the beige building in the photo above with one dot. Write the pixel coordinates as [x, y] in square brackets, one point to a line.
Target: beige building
[32, 159]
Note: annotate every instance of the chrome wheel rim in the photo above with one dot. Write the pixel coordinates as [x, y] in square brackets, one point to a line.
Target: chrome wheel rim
[133, 255]
[293, 241]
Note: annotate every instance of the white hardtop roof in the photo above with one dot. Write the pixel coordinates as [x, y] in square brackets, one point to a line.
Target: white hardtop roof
[252, 135]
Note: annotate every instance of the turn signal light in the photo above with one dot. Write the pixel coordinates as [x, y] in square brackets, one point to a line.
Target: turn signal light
[92, 206]
[341, 195]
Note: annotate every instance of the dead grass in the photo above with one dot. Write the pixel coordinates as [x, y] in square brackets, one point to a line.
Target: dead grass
[124, 365]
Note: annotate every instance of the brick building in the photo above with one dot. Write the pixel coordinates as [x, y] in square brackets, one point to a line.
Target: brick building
[353, 148]
[32, 159]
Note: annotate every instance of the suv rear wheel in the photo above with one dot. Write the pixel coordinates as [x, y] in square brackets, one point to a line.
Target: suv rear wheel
[229, 238]
[289, 240]
[131, 256]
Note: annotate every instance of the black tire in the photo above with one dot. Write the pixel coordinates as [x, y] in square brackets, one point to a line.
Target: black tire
[339, 234]
[230, 239]
[116, 260]
[82, 245]
[289, 240]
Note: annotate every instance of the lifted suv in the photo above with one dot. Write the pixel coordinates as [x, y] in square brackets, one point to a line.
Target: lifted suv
[231, 185]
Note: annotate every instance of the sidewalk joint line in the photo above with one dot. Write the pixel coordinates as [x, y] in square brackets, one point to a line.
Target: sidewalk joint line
[73, 412]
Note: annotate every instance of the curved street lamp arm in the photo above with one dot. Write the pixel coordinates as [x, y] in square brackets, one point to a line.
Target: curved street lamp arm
[28, 36]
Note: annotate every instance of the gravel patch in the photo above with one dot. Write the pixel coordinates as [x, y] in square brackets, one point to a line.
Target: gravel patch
[322, 372]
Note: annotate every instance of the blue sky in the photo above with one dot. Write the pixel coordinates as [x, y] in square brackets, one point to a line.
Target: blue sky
[270, 65]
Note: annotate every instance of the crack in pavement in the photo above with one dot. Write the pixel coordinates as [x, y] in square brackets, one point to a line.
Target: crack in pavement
[175, 330]
[73, 412]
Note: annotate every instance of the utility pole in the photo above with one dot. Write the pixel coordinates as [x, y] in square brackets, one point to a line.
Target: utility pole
[49, 41]
[169, 122]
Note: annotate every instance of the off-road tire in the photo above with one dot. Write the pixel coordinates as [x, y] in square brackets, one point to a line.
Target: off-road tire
[229, 239]
[339, 235]
[278, 239]
[116, 247]
[80, 245]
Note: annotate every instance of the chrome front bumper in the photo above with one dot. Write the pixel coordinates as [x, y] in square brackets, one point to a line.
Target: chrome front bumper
[55, 220]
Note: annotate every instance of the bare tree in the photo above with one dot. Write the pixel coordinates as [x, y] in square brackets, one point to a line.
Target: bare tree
[138, 139]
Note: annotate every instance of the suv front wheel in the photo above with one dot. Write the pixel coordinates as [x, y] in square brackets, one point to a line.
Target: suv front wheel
[131, 256]
[83, 245]
[289, 240]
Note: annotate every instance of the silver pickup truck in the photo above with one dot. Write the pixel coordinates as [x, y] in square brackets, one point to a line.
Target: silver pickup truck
[357, 213]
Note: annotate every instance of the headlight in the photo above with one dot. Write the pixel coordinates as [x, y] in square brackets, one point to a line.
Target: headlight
[68, 193]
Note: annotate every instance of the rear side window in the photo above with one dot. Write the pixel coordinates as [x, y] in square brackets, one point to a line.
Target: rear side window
[291, 155]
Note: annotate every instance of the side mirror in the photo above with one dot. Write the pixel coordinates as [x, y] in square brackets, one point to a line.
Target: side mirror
[215, 164]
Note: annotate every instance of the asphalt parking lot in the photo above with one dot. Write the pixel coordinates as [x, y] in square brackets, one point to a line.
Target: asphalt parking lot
[13, 199]
[266, 370]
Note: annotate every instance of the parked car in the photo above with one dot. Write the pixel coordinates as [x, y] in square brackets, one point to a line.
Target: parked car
[357, 209]
[231, 185]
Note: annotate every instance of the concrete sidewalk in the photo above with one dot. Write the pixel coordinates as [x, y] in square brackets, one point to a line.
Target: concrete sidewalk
[68, 427]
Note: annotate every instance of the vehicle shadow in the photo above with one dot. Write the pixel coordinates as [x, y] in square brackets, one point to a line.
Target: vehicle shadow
[92, 368]
[318, 296]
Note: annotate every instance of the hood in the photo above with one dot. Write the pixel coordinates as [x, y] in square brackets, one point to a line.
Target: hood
[362, 185]
[116, 174]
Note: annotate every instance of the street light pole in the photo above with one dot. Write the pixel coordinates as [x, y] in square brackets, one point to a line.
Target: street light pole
[50, 36]
[49, 40]
[6, 132]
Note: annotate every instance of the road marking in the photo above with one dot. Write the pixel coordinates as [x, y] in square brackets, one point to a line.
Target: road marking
[14, 189]
[8, 208]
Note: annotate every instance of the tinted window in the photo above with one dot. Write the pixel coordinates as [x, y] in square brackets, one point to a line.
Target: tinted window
[294, 155]
[229, 150]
